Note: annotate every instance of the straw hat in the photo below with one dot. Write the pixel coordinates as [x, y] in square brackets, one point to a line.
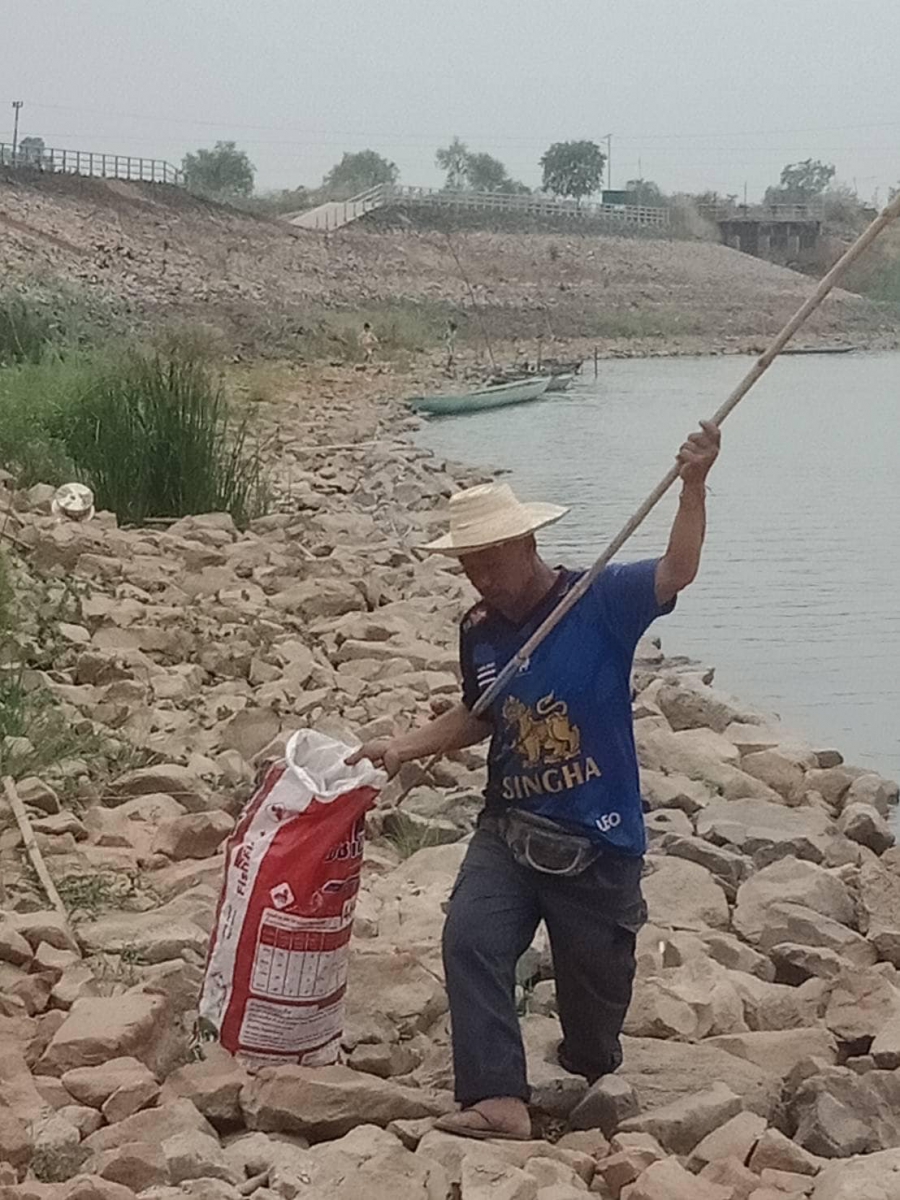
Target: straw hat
[74, 501]
[489, 515]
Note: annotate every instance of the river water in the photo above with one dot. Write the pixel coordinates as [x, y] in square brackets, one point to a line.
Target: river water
[798, 601]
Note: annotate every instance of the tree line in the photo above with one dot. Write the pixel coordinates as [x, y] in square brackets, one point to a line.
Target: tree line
[573, 170]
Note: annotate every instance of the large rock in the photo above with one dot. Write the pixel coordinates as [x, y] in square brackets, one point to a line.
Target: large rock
[841, 1113]
[695, 706]
[168, 779]
[684, 895]
[681, 1125]
[778, 1052]
[195, 835]
[136, 1165]
[451, 1152]
[668, 1180]
[775, 1152]
[872, 789]
[674, 791]
[196, 1155]
[327, 1102]
[213, 1085]
[662, 1072]
[93, 1086]
[97, 1029]
[861, 1005]
[554, 1090]
[16, 1142]
[316, 598]
[780, 771]
[876, 1177]
[775, 1006]
[864, 824]
[794, 923]
[393, 983]
[605, 1105]
[879, 891]
[152, 1125]
[728, 866]
[791, 881]
[690, 1002]
[736, 1138]
[765, 831]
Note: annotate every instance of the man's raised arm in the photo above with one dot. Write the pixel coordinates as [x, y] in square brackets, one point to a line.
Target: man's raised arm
[679, 565]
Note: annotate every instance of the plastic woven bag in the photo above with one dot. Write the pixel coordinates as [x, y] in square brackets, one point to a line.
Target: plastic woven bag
[277, 968]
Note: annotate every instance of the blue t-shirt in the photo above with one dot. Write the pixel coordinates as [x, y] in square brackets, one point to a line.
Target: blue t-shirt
[563, 740]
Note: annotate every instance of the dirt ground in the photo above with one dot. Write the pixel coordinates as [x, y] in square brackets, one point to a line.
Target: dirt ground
[158, 252]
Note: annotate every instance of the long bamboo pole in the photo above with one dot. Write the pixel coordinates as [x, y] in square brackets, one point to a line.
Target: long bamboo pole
[33, 849]
[762, 364]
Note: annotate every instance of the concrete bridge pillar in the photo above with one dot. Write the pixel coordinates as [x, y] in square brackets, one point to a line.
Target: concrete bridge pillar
[793, 243]
[763, 243]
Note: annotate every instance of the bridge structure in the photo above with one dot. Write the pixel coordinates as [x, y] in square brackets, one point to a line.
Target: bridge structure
[766, 230]
[335, 214]
[93, 163]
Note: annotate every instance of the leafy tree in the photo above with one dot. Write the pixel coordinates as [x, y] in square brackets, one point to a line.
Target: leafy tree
[801, 182]
[485, 173]
[454, 159]
[358, 172]
[648, 193]
[514, 187]
[31, 150]
[573, 168]
[223, 172]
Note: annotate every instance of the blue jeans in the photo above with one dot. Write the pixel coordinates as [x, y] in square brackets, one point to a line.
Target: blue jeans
[495, 908]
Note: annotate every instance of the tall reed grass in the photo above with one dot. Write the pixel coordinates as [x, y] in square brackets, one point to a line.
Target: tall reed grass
[154, 436]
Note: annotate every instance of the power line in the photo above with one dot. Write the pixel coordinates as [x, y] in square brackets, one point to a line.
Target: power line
[508, 139]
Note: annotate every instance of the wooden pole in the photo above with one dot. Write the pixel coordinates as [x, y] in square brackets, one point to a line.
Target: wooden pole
[762, 364]
[31, 846]
[476, 309]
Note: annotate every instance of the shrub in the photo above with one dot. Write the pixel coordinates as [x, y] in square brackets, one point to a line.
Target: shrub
[25, 330]
[154, 436]
[30, 399]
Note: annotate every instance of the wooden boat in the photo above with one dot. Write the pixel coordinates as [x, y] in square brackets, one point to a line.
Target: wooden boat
[497, 396]
[560, 382]
[819, 350]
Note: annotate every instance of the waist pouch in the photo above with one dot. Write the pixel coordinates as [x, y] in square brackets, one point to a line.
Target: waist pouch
[543, 846]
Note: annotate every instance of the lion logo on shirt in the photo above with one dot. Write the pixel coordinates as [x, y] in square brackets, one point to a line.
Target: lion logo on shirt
[543, 734]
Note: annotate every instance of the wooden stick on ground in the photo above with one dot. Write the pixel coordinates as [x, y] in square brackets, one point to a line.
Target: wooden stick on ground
[34, 851]
[865, 239]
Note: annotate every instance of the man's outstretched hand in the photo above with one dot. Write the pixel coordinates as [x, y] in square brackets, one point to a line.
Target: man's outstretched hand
[381, 752]
[698, 453]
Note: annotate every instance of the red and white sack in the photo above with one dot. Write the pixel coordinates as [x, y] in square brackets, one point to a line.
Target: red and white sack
[277, 968]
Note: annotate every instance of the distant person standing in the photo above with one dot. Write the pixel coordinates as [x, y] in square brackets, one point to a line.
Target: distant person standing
[450, 343]
[367, 342]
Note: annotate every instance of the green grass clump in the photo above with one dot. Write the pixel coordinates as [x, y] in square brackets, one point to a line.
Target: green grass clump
[25, 330]
[155, 437]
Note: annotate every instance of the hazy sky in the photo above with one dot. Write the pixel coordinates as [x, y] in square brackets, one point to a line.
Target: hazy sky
[696, 93]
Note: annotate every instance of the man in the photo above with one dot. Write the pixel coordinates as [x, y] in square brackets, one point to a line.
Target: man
[367, 342]
[561, 838]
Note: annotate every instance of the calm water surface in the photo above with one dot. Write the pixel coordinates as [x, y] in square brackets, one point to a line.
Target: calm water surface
[797, 602]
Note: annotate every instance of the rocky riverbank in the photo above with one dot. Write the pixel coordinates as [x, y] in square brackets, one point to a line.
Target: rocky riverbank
[762, 1054]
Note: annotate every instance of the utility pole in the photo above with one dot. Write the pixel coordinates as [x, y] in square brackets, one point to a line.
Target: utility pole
[609, 161]
[17, 104]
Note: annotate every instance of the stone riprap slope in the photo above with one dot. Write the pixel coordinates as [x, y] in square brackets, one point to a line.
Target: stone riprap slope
[162, 253]
[762, 1053]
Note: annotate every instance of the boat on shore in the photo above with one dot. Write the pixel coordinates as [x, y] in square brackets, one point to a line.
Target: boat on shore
[819, 350]
[519, 391]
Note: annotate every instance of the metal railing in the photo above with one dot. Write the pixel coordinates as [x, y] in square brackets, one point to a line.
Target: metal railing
[536, 205]
[813, 211]
[335, 213]
[86, 162]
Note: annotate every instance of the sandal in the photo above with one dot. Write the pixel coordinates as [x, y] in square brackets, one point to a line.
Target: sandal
[461, 1125]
